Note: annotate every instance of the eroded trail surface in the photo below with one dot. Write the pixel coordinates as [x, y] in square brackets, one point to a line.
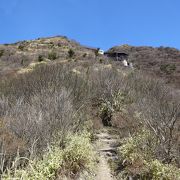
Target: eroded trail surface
[106, 146]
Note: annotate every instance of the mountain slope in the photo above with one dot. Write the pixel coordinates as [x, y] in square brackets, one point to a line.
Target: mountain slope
[73, 97]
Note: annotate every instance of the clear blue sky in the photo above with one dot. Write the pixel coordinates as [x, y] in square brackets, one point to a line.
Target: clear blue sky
[99, 23]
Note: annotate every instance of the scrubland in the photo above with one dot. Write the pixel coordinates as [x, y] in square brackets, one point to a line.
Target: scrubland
[49, 117]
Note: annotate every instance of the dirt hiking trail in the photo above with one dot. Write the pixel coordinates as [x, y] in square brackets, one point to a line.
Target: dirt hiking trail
[106, 148]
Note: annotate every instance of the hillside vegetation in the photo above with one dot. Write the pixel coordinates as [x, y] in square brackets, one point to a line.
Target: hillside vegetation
[164, 62]
[51, 111]
[14, 57]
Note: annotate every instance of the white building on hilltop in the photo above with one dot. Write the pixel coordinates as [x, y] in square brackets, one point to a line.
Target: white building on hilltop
[125, 63]
[101, 52]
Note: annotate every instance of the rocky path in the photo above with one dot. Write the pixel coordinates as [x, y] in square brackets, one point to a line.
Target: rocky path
[106, 148]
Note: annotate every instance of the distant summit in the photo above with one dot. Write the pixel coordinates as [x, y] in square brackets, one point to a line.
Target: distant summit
[21, 54]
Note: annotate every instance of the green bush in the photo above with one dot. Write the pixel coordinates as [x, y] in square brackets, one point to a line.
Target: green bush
[168, 68]
[38, 169]
[101, 60]
[121, 100]
[141, 141]
[21, 47]
[71, 53]
[52, 55]
[76, 157]
[84, 55]
[79, 154]
[40, 58]
[118, 102]
[138, 154]
[163, 171]
[106, 111]
[1, 52]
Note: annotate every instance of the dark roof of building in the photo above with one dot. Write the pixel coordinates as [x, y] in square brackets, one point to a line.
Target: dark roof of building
[116, 53]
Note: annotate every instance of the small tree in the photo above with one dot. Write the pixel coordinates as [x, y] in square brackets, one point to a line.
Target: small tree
[21, 47]
[1, 52]
[97, 52]
[71, 53]
[84, 55]
[40, 58]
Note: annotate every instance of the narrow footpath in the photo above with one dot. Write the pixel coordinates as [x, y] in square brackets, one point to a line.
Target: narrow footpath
[106, 148]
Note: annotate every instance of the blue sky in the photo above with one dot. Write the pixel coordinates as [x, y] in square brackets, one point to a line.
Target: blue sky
[98, 23]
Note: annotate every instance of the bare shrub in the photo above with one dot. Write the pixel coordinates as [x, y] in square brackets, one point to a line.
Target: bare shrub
[39, 107]
[159, 111]
[46, 114]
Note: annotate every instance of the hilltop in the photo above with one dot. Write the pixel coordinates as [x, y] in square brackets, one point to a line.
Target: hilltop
[14, 57]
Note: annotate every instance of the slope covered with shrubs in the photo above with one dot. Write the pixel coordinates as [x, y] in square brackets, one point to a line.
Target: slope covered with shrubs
[164, 62]
[39, 109]
[14, 57]
[147, 114]
[48, 117]
[138, 156]
[42, 107]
